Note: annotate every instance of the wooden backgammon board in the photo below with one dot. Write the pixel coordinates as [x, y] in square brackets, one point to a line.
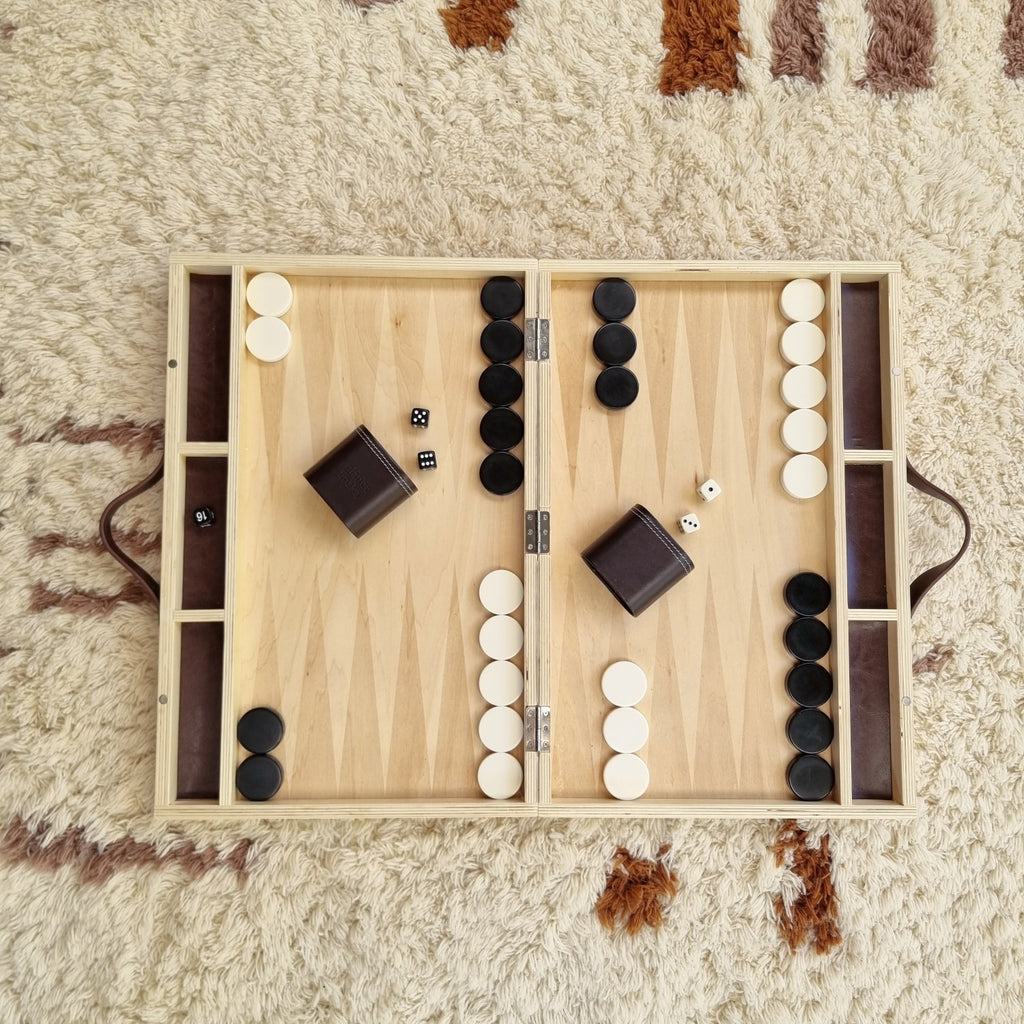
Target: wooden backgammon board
[368, 647]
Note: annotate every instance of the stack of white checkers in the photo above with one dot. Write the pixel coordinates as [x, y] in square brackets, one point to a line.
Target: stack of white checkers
[803, 387]
[501, 683]
[625, 730]
[268, 337]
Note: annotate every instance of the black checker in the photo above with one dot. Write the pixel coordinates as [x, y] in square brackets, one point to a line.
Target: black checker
[808, 639]
[260, 730]
[810, 730]
[502, 298]
[501, 473]
[502, 341]
[259, 777]
[614, 299]
[616, 387]
[500, 384]
[614, 344]
[809, 684]
[810, 777]
[501, 429]
[807, 593]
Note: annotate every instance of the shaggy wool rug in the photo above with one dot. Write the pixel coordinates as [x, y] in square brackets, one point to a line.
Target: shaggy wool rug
[706, 129]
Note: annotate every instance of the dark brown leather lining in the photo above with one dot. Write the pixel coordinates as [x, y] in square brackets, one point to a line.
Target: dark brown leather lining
[209, 354]
[865, 537]
[202, 571]
[862, 365]
[870, 727]
[199, 706]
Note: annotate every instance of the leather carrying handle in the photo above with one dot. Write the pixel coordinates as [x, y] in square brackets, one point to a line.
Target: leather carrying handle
[927, 579]
[150, 585]
[918, 588]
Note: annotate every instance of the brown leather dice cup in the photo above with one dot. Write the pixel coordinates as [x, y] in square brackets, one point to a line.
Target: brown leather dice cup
[360, 481]
[637, 560]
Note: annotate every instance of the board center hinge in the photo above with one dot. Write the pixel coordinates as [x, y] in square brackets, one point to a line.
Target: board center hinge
[537, 727]
[538, 532]
[538, 339]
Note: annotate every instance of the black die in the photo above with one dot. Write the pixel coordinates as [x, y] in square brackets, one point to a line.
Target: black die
[204, 516]
[420, 417]
[427, 460]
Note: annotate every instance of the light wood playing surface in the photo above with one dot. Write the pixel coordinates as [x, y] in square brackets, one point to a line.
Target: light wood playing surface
[368, 647]
[709, 367]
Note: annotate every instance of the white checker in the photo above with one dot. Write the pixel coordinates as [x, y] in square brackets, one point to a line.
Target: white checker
[501, 592]
[802, 299]
[501, 683]
[269, 295]
[626, 777]
[499, 776]
[802, 343]
[501, 729]
[501, 637]
[624, 683]
[268, 339]
[626, 730]
[804, 430]
[804, 476]
[803, 387]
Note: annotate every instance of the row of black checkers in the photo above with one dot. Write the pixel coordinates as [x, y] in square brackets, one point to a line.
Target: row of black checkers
[809, 684]
[260, 776]
[615, 343]
[501, 384]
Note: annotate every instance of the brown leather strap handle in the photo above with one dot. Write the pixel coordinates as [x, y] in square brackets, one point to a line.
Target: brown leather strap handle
[931, 576]
[151, 586]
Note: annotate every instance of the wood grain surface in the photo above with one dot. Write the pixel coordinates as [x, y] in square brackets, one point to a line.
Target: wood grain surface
[368, 647]
[709, 368]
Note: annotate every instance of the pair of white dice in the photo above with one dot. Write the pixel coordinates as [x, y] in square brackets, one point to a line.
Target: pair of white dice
[709, 490]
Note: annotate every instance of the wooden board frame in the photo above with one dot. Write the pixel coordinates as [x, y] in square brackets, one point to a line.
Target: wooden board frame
[542, 279]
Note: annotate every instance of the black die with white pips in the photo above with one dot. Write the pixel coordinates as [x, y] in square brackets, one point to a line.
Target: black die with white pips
[427, 460]
[420, 417]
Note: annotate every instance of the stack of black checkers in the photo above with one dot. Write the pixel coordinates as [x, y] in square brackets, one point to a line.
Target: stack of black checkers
[260, 776]
[615, 343]
[501, 385]
[809, 684]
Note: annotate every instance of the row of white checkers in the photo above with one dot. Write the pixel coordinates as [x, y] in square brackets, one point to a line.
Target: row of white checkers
[268, 337]
[803, 387]
[626, 776]
[501, 683]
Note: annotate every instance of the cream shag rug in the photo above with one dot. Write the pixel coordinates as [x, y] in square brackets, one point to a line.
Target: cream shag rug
[133, 128]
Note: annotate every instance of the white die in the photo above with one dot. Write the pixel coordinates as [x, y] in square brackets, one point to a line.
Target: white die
[709, 490]
[689, 523]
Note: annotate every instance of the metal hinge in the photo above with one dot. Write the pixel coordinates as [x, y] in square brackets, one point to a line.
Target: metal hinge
[538, 729]
[538, 532]
[538, 339]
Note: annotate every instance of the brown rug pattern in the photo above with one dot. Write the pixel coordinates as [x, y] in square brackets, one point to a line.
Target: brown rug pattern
[96, 863]
[814, 914]
[798, 40]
